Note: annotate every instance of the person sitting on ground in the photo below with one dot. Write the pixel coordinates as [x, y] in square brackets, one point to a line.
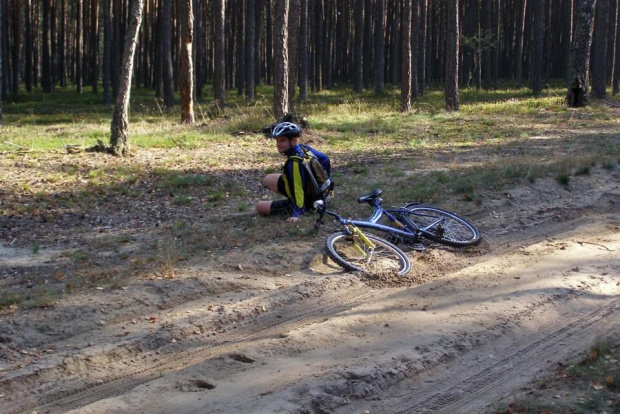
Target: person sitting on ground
[293, 182]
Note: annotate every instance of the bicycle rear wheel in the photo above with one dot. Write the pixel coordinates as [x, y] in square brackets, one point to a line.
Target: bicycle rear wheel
[441, 226]
[349, 252]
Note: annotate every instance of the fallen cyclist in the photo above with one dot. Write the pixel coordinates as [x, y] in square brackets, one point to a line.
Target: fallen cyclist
[305, 177]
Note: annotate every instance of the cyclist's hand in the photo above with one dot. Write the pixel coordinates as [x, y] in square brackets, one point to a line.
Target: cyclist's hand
[292, 219]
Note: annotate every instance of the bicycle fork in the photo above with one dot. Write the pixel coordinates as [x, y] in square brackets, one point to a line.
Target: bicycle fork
[355, 231]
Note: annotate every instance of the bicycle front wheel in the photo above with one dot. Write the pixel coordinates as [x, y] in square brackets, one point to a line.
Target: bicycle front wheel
[351, 253]
[441, 226]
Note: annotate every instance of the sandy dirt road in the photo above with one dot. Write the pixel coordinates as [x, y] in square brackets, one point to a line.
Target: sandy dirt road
[461, 333]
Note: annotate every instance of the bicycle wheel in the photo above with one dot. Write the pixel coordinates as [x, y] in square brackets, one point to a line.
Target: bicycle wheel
[351, 253]
[441, 226]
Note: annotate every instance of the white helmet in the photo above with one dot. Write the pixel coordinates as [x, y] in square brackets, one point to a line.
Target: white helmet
[286, 129]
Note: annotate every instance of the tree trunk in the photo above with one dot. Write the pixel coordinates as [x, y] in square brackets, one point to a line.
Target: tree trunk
[219, 50]
[616, 71]
[415, 49]
[380, 47]
[281, 70]
[580, 55]
[520, 38]
[166, 53]
[407, 78]
[1, 53]
[358, 57]
[250, 52]
[17, 42]
[46, 53]
[78, 46]
[368, 48]
[487, 26]
[119, 138]
[293, 51]
[303, 51]
[536, 70]
[186, 67]
[452, 56]
[94, 45]
[599, 49]
[107, 56]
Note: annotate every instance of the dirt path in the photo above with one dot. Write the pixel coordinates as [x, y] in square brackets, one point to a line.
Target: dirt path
[462, 332]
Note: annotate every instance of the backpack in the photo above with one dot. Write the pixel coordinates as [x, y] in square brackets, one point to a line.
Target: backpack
[318, 167]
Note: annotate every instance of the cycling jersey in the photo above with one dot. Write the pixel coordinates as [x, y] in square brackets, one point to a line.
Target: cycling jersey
[295, 180]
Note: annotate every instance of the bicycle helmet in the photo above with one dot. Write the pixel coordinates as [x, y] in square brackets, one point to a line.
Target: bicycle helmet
[286, 129]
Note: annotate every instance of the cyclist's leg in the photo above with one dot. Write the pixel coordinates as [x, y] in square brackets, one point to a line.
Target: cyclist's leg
[271, 181]
[267, 207]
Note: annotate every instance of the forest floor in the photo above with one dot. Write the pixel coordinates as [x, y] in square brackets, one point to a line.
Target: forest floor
[131, 302]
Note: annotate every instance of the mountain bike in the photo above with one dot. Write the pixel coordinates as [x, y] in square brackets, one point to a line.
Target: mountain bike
[355, 250]
[415, 220]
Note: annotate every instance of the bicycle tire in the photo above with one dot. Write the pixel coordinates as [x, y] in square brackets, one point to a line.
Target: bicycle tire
[385, 258]
[456, 231]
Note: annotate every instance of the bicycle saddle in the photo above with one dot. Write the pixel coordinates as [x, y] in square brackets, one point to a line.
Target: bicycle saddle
[369, 197]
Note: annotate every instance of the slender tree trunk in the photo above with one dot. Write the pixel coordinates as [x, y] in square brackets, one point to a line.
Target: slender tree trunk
[119, 138]
[452, 56]
[303, 51]
[17, 42]
[46, 53]
[567, 35]
[380, 47]
[219, 49]
[1, 53]
[536, 71]
[368, 49]
[78, 46]
[281, 70]
[415, 49]
[107, 56]
[293, 51]
[407, 78]
[616, 71]
[580, 55]
[358, 56]
[599, 49]
[28, 41]
[166, 53]
[487, 25]
[186, 67]
[250, 52]
[94, 45]
[520, 38]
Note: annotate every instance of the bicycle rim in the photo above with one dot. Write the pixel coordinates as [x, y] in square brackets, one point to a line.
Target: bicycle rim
[352, 254]
[445, 227]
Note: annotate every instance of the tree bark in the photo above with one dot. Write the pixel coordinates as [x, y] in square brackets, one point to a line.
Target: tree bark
[303, 51]
[580, 55]
[281, 69]
[166, 53]
[616, 70]
[452, 56]
[407, 78]
[94, 45]
[119, 138]
[107, 53]
[250, 52]
[219, 50]
[520, 38]
[358, 57]
[380, 47]
[186, 67]
[536, 71]
[599, 49]
[1, 53]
